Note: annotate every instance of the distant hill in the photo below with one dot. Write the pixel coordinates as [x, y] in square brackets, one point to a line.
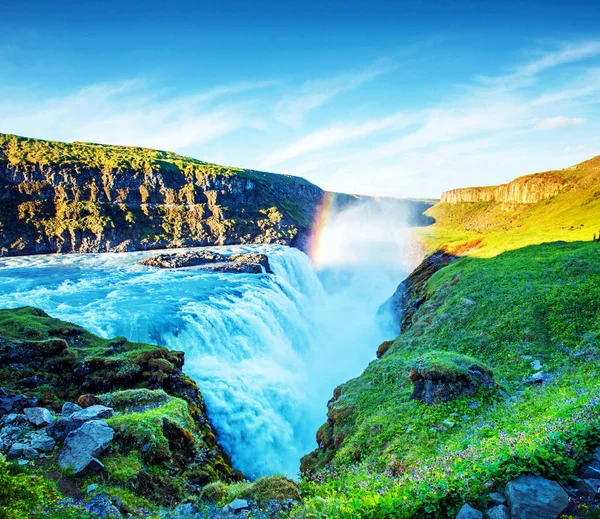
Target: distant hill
[86, 197]
[483, 221]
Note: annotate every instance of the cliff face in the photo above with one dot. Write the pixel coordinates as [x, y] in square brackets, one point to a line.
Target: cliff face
[82, 197]
[530, 189]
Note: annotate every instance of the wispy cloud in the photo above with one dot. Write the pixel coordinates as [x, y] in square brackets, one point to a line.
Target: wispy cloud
[551, 123]
[297, 104]
[524, 74]
[130, 113]
[334, 136]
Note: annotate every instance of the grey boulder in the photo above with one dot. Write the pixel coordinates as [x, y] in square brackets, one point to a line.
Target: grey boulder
[38, 416]
[69, 408]
[84, 445]
[497, 498]
[534, 497]
[498, 512]
[42, 442]
[103, 507]
[94, 412]
[236, 506]
[22, 451]
[468, 512]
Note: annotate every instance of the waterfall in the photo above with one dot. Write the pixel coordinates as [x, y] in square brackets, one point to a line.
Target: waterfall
[265, 350]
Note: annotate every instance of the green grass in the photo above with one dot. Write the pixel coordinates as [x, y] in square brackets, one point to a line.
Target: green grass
[395, 457]
[491, 227]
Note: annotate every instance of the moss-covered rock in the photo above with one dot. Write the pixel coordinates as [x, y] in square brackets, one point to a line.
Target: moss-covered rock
[164, 446]
[440, 376]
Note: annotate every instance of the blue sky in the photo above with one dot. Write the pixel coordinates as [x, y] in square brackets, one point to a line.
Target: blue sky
[405, 98]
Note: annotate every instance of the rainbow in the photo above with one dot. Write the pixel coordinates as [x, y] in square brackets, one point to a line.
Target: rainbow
[321, 217]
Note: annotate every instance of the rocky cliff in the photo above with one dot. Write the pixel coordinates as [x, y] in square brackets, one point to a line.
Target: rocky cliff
[84, 197]
[529, 189]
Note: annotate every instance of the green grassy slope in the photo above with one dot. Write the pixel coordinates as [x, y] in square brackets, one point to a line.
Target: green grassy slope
[488, 228]
[402, 458]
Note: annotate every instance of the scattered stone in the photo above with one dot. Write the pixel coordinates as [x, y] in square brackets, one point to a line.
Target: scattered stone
[497, 498]
[69, 408]
[42, 442]
[237, 505]
[102, 505]
[38, 416]
[536, 378]
[526, 357]
[11, 433]
[468, 512]
[94, 412]
[449, 423]
[474, 405]
[591, 473]
[90, 488]
[498, 512]
[534, 497]
[21, 451]
[185, 511]
[13, 403]
[84, 445]
[587, 487]
[15, 419]
[536, 365]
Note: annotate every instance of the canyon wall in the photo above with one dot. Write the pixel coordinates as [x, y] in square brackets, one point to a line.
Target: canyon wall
[83, 197]
[529, 189]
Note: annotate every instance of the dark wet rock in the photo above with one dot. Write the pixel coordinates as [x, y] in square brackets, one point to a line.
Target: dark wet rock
[60, 429]
[84, 445]
[443, 376]
[410, 294]
[591, 472]
[38, 416]
[102, 505]
[497, 498]
[174, 260]
[468, 512]
[586, 487]
[69, 408]
[236, 263]
[237, 268]
[498, 512]
[534, 497]
[14, 403]
[22, 451]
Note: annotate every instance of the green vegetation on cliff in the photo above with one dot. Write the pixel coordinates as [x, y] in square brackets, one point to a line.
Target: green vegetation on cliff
[486, 228]
[89, 197]
[382, 454]
[164, 448]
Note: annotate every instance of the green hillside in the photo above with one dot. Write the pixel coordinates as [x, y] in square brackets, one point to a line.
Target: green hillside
[398, 457]
[484, 229]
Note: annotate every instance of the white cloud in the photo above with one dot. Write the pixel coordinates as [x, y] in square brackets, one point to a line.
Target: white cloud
[130, 113]
[551, 123]
[333, 136]
[297, 104]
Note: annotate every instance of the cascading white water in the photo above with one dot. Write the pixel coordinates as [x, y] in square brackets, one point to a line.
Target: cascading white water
[265, 350]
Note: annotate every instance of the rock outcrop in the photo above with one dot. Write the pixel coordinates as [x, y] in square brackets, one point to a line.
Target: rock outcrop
[210, 260]
[443, 376]
[529, 189]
